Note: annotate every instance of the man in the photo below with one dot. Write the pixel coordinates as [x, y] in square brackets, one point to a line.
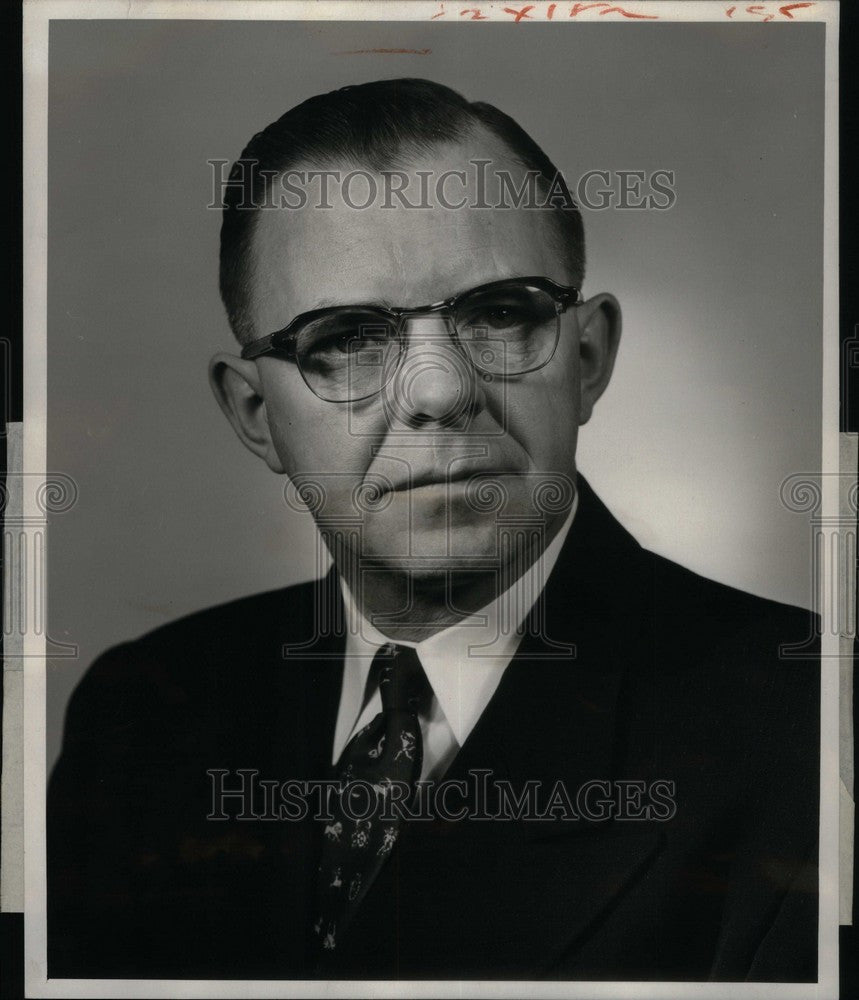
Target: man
[629, 752]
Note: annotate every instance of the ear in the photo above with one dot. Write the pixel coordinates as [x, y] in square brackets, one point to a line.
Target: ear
[599, 337]
[238, 390]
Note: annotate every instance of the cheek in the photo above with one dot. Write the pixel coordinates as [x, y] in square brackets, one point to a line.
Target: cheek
[543, 416]
[311, 436]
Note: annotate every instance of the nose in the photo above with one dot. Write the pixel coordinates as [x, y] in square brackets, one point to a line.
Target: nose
[434, 384]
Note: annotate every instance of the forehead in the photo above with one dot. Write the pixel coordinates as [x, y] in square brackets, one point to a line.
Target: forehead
[304, 258]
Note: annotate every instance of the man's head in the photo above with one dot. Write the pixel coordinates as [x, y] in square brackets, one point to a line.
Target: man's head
[444, 447]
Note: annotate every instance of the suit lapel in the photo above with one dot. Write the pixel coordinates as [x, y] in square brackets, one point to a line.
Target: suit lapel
[310, 669]
[556, 713]
[309, 674]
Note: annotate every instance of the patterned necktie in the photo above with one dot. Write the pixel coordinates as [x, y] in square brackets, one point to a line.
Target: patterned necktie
[388, 749]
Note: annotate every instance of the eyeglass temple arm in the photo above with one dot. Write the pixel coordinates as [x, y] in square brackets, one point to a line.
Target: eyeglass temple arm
[273, 342]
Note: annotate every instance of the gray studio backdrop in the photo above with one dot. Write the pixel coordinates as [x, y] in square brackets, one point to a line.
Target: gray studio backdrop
[716, 397]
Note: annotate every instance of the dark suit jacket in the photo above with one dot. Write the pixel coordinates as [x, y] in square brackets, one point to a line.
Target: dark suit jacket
[673, 677]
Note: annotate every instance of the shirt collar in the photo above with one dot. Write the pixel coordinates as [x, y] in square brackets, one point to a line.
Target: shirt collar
[465, 661]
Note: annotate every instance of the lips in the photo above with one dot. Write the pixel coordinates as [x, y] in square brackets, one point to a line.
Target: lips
[437, 478]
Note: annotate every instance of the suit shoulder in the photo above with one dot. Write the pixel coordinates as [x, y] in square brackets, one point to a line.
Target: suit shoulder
[736, 678]
[683, 592]
[746, 657]
[734, 637]
[281, 609]
[189, 659]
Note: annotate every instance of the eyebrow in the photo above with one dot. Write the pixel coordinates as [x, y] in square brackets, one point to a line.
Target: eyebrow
[331, 303]
[327, 303]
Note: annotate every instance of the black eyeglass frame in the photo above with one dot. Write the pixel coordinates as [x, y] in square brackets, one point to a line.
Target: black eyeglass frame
[284, 341]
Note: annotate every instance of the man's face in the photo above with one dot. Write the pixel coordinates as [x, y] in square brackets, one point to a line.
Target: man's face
[412, 449]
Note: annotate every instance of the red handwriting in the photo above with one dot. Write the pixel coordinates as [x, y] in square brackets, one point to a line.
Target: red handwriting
[530, 12]
[580, 8]
[628, 13]
[766, 14]
[527, 12]
[518, 15]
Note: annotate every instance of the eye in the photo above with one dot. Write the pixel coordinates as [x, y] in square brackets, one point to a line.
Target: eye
[497, 316]
[343, 343]
[502, 316]
[344, 335]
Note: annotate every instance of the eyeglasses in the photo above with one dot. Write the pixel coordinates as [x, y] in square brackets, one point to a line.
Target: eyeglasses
[349, 353]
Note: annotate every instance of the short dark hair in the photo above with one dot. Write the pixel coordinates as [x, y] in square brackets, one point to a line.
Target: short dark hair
[373, 124]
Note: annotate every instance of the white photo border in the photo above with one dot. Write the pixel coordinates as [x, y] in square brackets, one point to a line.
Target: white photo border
[37, 17]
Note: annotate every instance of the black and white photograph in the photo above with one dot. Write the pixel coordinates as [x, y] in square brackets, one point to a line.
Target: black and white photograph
[432, 442]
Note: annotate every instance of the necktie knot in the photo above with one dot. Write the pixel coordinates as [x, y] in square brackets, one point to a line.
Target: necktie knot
[402, 683]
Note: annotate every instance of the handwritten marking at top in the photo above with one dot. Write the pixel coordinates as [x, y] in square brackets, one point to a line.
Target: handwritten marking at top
[628, 13]
[532, 12]
[519, 15]
[760, 10]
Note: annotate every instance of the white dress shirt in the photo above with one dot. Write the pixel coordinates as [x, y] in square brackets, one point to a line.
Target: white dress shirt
[463, 663]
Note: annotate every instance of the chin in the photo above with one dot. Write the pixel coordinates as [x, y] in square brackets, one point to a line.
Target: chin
[429, 549]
